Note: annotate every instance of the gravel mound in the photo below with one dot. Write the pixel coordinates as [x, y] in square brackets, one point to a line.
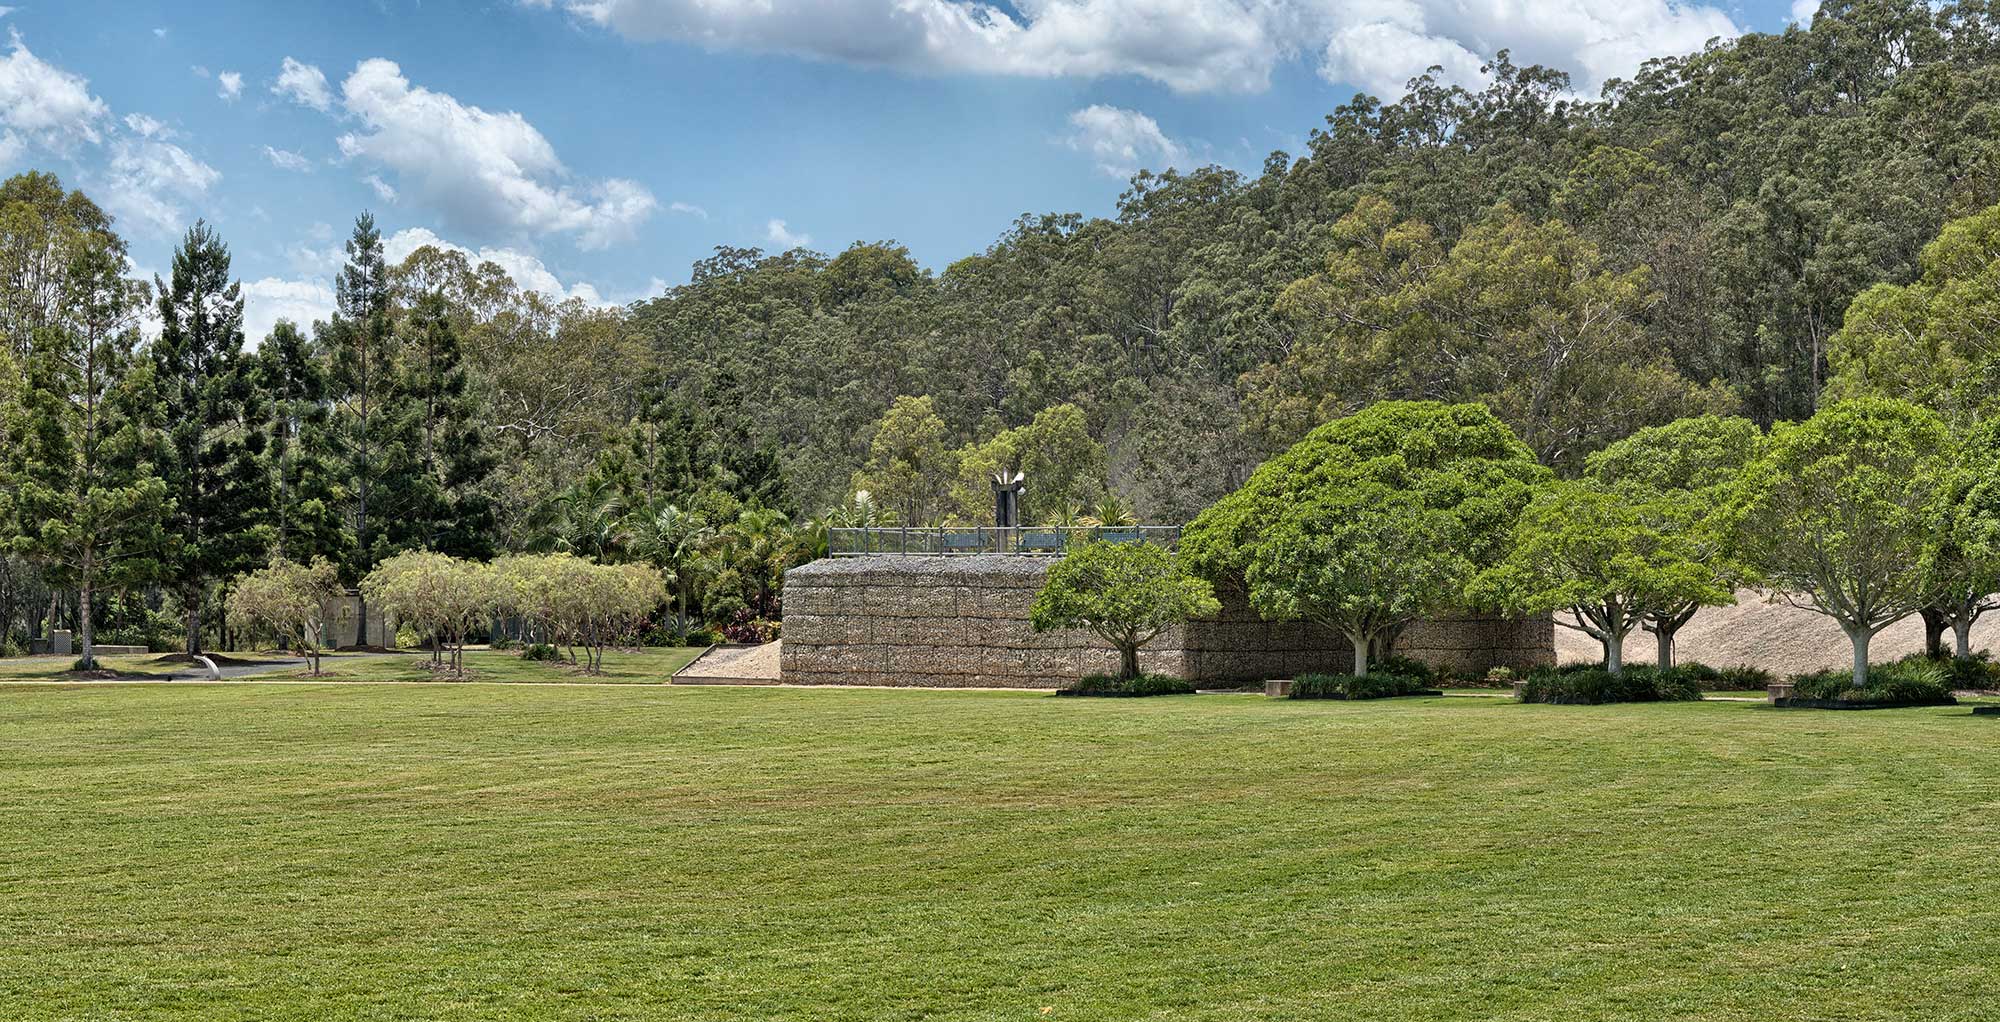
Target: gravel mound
[750, 662]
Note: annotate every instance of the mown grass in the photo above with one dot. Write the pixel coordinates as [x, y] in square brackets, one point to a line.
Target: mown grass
[494, 852]
[631, 666]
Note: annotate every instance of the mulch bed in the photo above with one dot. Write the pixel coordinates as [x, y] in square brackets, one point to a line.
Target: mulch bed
[1793, 703]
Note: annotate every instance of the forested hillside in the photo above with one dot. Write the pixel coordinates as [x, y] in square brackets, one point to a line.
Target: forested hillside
[1685, 243]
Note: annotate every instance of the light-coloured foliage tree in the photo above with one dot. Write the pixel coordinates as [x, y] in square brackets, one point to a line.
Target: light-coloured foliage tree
[291, 599]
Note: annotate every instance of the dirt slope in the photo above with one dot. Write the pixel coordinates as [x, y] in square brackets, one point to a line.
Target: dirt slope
[1778, 638]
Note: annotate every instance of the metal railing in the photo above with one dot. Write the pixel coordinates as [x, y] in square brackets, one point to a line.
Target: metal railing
[1033, 541]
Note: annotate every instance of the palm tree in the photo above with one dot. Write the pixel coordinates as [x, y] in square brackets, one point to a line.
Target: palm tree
[673, 541]
[1110, 512]
[587, 520]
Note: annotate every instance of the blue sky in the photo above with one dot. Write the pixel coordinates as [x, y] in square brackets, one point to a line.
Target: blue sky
[596, 148]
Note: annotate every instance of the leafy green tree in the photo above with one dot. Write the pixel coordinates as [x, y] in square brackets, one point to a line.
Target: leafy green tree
[1124, 593]
[1675, 478]
[1063, 463]
[1363, 559]
[43, 229]
[211, 458]
[1522, 316]
[910, 465]
[1456, 459]
[1585, 549]
[86, 502]
[1840, 514]
[305, 514]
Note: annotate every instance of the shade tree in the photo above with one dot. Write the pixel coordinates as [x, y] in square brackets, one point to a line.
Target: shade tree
[1364, 560]
[1677, 477]
[1610, 563]
[1839, 515]
[1124, 593]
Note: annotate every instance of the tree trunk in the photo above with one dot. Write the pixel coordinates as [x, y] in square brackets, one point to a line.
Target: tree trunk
[1961, 634]
[1360, 656]
[1935, 621]
[1614, 652]
[1128, 661]
[85, 636]
[1664, 637]
[192, 603]
[1860, 639]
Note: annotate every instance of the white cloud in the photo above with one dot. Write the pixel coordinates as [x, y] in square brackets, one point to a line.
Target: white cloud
[1803, 11]
[489, 174]
[229, 85]
[147, 179]
[303, 84]
[147, 127]
[1188, 45]
[383, 190]
[688, 209]
[45, 104]
[1123, 142]
[782, 236]
[285, 159]
[270, 299]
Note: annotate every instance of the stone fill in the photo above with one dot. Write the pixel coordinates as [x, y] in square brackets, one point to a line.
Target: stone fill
[963, 622]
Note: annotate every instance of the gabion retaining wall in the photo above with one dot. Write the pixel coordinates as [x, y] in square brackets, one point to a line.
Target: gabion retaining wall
[963, 621]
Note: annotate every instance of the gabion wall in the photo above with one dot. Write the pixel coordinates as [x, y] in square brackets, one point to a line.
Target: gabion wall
[963, 622]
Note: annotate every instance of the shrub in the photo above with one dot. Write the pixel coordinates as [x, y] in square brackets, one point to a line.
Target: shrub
[1142, 685]
[702, 637]
[1590, 684]
[1405, 667]
[1915, 679]
[1499, 677]
[502, 642]
[541, 651]
[1977, 671]
[1744, 678]
[10, 648]
[1372, 685]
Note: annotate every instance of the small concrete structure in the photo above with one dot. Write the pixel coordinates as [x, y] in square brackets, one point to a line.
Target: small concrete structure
[1779, 690]
[340, 623]
[962, 621]
[1278, 688]
[62, 642]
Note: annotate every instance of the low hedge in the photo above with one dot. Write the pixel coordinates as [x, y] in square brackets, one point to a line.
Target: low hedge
[1741, 678]
[1374, 685]
[1914, 680]
[1143, 685]
[1591, 684]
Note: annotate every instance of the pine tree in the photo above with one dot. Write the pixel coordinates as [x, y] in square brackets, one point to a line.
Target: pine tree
[374, 425]
[86, 504]
[305, 511]
[211, 458]
[452, 515]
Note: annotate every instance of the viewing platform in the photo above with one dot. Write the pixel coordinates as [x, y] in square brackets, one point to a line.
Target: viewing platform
[1032, 541]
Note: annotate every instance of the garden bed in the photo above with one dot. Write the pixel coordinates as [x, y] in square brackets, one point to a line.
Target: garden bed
[1133, 688]
[1800, 703]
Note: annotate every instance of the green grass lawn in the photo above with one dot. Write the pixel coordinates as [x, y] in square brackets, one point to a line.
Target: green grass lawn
[643, 666]
[494, 852]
